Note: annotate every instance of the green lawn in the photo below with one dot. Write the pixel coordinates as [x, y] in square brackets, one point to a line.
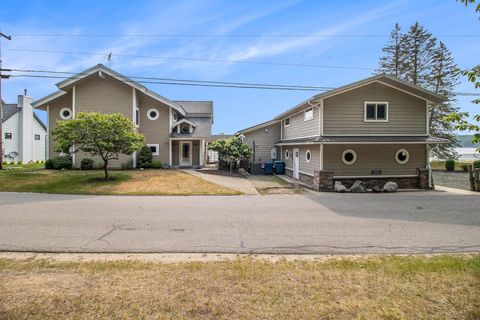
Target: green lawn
[125, 182]
[386, 287]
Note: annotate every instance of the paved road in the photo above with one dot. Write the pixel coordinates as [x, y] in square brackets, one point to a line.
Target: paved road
[312, 223]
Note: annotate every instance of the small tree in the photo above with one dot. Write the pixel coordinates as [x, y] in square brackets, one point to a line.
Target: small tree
[105, 135]
[230, 151]
[145, 157]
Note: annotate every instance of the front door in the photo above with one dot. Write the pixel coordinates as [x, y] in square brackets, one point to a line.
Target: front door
[185, 155]
[296, 163]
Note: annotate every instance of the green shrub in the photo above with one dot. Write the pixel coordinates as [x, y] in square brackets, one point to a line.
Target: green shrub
[49, 164]
[19, 162]
[62, 162]
[145, 157]
[450, 165]
[157, 165]
[476, 164]
[127, 164]
[464, 166]
[86, 164]
[4, 163]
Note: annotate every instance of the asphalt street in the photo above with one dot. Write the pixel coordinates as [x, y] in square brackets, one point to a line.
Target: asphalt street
[312, 223]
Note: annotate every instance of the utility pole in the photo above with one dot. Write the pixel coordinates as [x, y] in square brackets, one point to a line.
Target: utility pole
[2, 35]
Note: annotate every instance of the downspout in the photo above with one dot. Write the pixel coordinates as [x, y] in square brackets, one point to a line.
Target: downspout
[429, 167]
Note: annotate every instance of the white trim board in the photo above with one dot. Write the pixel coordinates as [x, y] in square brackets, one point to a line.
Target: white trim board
[302, 172]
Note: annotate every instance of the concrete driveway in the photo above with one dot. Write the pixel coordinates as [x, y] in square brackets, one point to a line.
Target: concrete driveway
[405, 222]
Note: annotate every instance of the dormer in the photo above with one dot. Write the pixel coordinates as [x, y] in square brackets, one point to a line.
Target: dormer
[184, 126]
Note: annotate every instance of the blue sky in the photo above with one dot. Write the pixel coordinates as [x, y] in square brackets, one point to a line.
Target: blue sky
[234, 108]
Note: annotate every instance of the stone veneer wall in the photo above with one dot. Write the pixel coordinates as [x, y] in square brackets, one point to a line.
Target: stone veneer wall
[323, 180]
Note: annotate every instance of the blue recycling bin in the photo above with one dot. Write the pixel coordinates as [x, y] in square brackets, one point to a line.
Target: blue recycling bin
[268, 168]
[279, 167]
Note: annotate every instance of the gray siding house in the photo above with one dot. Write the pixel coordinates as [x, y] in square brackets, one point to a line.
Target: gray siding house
[375, 130]
[175, 131]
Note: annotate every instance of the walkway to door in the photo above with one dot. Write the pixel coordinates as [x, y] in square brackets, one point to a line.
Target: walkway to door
[240, 184]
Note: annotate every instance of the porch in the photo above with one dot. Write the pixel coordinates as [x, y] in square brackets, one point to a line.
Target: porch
[187, 153]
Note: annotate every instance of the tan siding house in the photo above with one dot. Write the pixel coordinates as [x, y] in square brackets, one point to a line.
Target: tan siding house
[375, 130]
[175, 131]
[262, 138]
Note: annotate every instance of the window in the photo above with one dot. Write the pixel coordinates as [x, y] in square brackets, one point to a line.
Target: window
[152, 114]
[402, 156]
[66, 113]
[37, 137]
[375, 111]
[286, 122]
[349, 156]
[308, 114]
[154, 148]
[8, 135]
[308, 156]
[287, 154]
[185, 128]
[137, 117]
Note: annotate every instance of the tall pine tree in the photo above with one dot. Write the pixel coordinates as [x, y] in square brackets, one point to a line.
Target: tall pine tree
[418, 58]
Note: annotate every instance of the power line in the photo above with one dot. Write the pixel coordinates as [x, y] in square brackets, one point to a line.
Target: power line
[194, 35]
[196, 59]
[189, 82]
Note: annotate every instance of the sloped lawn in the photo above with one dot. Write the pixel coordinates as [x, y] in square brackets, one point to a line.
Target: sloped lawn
[133, 182]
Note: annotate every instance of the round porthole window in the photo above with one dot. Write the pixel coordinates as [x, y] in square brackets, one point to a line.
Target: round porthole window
[66, 113]
[349, 156]
[402, 156]
[152, 114]
[308, 156]
[185, 128]
[287, 154]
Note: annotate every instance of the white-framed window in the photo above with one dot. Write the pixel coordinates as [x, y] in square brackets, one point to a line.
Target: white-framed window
[286, 122]
[308, 114]
[36, 137]
[8, 135]
[308, 156]
[66, 113]
[287, 154]
[402, 156]
[154, 148]
[153, 114]
[375, 111]
[349, 156]
[185, 128]
[137, 117]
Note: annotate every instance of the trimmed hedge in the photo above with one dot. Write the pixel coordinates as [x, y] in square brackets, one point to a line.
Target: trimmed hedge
[145, 157]
[49, 164]
[62, 162]
[86, 164]
[157, 165]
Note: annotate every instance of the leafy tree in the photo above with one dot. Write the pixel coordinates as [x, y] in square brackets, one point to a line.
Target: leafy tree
[230, 151]
[419, 58]
[467, 2]
[105, 135]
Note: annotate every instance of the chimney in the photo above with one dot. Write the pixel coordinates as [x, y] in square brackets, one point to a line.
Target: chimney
[26, 128]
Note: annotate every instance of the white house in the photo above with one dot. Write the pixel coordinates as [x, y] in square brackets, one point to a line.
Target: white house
[24, 134]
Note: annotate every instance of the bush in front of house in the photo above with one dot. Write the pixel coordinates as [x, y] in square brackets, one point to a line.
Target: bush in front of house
[49, 164]
[145, 157]
[450, 165]
[87, 164]
[464, 167]
[476, 164]
[127, 164]
[157, 164]
[62, 162]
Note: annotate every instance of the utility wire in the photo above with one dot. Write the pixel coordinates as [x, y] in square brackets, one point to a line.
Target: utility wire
[193, 35]
[196, 59]
[200, 83]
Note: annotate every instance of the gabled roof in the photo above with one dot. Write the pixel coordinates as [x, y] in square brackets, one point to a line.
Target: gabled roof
[184, 121]
[257, 126]
[9, 110]
[100, 68]
[382, 78]
[197, 107]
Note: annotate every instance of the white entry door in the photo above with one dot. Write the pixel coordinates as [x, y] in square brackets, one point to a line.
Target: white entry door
[296, 163]
[185, 155]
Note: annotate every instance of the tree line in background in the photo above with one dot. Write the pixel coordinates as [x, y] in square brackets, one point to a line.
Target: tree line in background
[416, 56]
